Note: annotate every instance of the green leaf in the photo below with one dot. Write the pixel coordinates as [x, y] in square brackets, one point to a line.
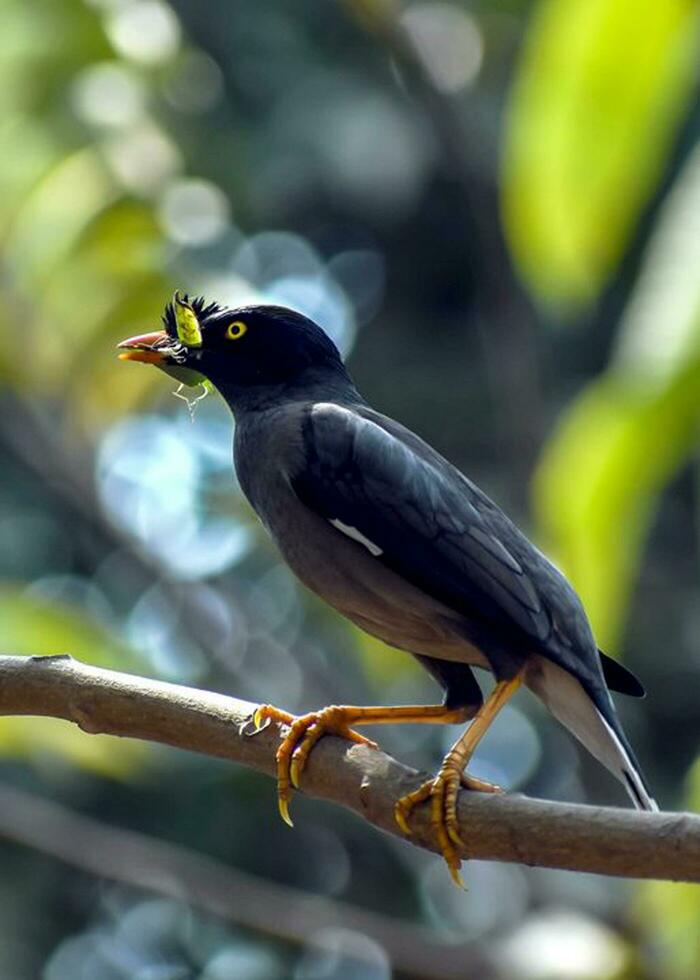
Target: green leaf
[383, 665]
[30, 625]
[624, 438]
[53, 217]
[660, 330]
[598, 483]
[596, 103]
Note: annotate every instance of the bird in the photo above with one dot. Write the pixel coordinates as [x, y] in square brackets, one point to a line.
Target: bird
[382, 527]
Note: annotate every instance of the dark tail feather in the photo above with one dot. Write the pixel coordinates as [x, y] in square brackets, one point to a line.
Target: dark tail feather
[619, 678]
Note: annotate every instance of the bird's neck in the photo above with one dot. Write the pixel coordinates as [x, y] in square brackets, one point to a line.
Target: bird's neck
[312, 386]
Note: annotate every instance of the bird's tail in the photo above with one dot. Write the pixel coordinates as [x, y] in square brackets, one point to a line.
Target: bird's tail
[595, 726]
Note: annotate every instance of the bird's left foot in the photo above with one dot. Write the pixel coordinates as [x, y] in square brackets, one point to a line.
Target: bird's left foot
[442, 792]
[304, 732]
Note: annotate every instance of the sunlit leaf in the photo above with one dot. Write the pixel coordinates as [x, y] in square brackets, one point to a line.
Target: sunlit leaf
[100, 390]
[42, 740]
[34, 152]
[601, 88]
[54, 216]
[120, 254]
[116, 248]
[32, 626]
[624, 438]
[660, 329]
[599, 480]
[382, 664]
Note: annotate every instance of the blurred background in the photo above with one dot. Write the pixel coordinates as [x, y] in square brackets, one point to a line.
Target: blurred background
[494, 208]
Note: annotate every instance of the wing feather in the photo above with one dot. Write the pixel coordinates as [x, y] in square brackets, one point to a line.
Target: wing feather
[439, 531]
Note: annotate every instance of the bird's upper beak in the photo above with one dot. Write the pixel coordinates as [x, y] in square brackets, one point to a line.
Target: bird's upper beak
[149, 347]
[160, 349]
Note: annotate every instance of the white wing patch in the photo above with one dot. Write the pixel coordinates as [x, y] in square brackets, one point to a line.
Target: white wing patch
[356, 535]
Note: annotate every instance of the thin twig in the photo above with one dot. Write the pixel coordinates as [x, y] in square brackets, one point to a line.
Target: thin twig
[604, 840]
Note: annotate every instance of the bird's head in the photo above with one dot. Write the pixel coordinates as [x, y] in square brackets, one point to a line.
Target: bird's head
[240, 351]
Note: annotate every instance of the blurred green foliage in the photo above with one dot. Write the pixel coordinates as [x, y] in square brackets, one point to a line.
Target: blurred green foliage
[598, 486]
[631, 430]
[82, 255]
[344, 158]
[600, 92]
[37, 626]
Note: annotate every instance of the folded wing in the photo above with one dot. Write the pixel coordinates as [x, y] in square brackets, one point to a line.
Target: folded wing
[381, 484]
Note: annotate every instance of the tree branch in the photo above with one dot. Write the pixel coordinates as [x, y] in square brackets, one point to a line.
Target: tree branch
[497, 828]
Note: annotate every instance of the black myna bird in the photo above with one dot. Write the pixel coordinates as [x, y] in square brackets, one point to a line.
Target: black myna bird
[383, 528]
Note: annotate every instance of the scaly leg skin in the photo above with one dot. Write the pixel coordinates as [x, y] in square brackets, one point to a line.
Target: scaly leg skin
[305, 731]
[443, 789]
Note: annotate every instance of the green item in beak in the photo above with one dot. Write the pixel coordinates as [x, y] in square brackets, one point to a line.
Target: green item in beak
[186, 323]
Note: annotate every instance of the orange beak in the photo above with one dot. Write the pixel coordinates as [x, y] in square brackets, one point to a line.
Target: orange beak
[145, 348]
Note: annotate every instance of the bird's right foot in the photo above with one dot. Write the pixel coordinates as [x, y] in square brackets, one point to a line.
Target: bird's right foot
[304, 732]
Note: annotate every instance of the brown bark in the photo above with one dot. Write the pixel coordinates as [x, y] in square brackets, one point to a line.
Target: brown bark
[512, 828]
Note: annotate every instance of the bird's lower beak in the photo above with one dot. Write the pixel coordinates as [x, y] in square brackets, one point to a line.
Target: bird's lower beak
[145, 347]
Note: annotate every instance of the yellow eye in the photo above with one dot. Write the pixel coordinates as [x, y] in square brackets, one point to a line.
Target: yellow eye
[235, 330]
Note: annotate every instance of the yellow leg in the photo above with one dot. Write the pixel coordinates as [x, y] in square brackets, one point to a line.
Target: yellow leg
[305, 731]
[442, 790]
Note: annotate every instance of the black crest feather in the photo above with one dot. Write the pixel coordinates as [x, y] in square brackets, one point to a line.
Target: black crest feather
[200, 306]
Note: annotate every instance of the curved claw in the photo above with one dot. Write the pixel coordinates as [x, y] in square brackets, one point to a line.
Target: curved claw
[400, 819]
[261, 718]
[443, 820]
[404, 806]
[283, 807]
[266, 713]
[302, 750]
[295, 748]
[443, 791]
